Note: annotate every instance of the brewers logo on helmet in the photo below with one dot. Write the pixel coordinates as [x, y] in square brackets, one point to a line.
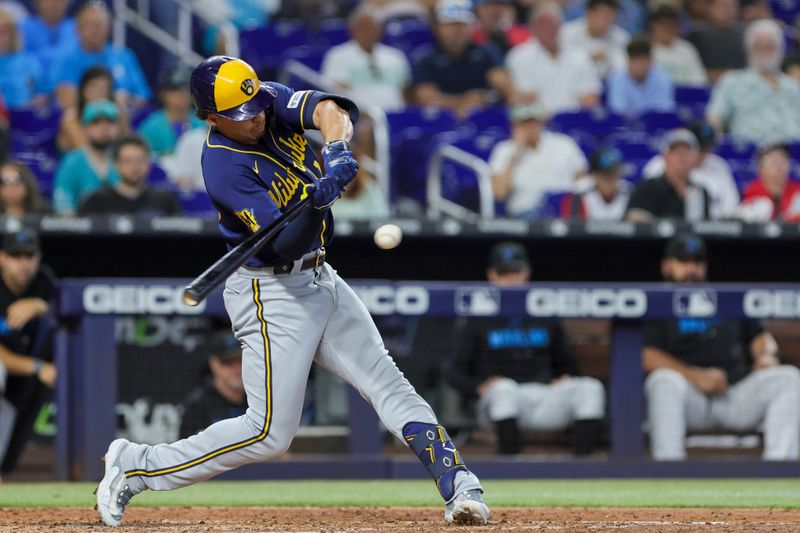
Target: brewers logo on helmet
[229, 87]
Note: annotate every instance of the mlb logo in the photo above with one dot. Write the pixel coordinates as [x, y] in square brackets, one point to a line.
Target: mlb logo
[477, 302]
[695, 303]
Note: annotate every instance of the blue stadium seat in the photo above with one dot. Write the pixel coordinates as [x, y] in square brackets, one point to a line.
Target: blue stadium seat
[409, 35]
[494, 118]
[195, 202]
[263, 46]
[657, 122]
[688, 94]
[736, 151]
[550, 206]
[430, 120]
[33, 142]
[334, 32]
[310, 56]
[458, 182]
[157, 176]
[785, 10]
[597, 122]
[140, 114]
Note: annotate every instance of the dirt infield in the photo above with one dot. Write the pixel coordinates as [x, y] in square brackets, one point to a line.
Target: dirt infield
[195, 519]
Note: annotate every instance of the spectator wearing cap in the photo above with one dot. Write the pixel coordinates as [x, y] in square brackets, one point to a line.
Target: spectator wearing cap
[162, 128]
[22, 83]
[131, 194]
[605, 195]
[84, 170]
[517, 372]
[221, 394]
[96, 84]
[26, 288]
[457, 74]
[672, 53]
[94, 49]
[758, 104]
[543, 72]
[672, 195]
[704, 373]
[773, 195]
[497, 25]
[532, 162]
[641, 87]
[373, 72]
[720, 40]
[49, 30]
[19, 191]
[597, 34]
[712, 173]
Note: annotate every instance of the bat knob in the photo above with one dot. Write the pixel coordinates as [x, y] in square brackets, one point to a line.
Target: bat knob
[190, 299]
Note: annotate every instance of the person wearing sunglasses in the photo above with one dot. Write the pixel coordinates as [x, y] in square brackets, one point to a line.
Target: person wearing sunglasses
[19, 191]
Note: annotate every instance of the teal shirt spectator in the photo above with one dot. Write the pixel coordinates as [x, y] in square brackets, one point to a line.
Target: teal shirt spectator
[45, 41]
[629, 97]
[69, 66]
[162, 135]
[21, 78]
[76, 179]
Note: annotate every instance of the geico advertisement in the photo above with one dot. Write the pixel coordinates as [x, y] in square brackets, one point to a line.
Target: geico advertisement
[138, 299]
[768, 303]
[486, 301]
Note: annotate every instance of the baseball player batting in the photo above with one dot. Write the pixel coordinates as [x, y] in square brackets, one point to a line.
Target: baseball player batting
[288, 307]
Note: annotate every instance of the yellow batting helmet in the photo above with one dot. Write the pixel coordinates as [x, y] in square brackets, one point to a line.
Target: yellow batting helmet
[229, 87]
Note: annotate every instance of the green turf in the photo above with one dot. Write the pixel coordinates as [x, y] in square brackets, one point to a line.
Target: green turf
[535, 493]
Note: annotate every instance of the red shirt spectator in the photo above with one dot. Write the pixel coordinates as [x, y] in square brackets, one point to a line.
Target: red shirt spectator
[773, 196]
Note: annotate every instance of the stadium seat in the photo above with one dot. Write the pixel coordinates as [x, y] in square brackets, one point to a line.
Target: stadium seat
[33, 142]
[409, 35]
[263, 46]
[334, 32]
[494, 118]
[785, 10]
[731, 150]
[688, 94]
[550, 206]
[657, 122]
[195, 202]
[598, 122]
[431, 120]
[310, 56]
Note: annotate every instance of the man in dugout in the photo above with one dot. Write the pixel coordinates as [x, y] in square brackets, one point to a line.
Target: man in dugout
[518, 371]
[707, 373]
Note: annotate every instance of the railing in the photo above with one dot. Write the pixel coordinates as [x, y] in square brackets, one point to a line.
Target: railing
[379, 166]
[180, 45]
[438, 204]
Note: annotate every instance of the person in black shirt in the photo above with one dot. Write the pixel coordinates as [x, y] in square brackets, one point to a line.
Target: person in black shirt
[132, 194]
[221, 395]
[706, 373]
[519, 371]
[671, 195]
[456, 73]
[26, 287]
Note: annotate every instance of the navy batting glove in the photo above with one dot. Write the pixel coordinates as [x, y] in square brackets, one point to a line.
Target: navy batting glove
[326, 192]
[339, 163]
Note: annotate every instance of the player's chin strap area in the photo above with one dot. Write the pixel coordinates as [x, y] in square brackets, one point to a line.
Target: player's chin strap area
[437, 453]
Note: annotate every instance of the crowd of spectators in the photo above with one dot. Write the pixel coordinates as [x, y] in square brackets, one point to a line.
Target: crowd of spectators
[532, 62]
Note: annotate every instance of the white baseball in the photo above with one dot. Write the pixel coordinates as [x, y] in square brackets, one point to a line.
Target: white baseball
[388, 236]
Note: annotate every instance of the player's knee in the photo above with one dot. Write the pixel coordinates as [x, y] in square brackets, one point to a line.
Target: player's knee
[503, 387]
[665, 382]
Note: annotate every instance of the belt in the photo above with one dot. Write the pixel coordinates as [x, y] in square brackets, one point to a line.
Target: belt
[286, 267]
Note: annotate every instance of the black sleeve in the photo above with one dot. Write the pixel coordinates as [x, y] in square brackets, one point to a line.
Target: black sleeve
[92, 205]
[171, 205]
[459, 370]
[642, 197]
[44, 283]
[424, 72]
[655, 334]
[750, 330]
[562, 360]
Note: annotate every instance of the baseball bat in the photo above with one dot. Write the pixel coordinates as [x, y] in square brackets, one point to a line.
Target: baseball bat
[204, 284]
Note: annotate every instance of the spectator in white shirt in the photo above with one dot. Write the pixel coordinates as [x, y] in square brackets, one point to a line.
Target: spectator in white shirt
[598, 35]
[560, 80]
[675, 55]
[532, 162]
[373, 72]
[604, 196]
[712, 173]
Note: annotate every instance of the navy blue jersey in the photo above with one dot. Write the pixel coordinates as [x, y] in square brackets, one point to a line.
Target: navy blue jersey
[252, 184]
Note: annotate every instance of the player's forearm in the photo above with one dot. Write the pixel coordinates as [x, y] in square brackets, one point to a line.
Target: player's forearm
[333, 122]
[16, 364]
[654, 359]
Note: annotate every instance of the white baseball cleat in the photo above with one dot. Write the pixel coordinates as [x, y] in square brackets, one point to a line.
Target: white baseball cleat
[113, 493]
[467, 509]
